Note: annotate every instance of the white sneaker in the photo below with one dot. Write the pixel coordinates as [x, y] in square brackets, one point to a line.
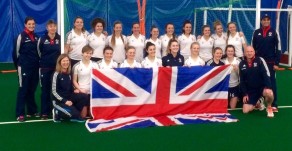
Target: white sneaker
[260, 105]
[270, 112]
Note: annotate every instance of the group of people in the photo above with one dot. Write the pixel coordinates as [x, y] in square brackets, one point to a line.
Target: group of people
[69, 89]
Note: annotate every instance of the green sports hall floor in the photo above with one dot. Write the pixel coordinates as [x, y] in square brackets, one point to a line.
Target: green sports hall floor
[253, 131]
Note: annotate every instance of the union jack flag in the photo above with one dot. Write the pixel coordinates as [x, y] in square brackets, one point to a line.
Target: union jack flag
[125, 97]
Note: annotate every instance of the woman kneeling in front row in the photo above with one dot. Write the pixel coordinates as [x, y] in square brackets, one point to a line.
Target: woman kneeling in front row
[67, 104]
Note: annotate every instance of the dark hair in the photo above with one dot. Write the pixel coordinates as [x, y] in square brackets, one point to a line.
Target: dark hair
[113, 39]
[228, 32]
[134, 23]
[203, 27]
[152, 27]
[228, 46]
[87, 48]
[184, 24]
[173, 35]
[49, 22]
[28, 18]
[96, 21]
[169, 43]
[107, 48]
[214, 50]
[148, 44]
[78, 17]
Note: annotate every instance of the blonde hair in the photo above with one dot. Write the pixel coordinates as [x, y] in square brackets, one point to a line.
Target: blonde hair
[58, 64]
[87, 48]
[216, 23]
[130, 47]
[195, 43]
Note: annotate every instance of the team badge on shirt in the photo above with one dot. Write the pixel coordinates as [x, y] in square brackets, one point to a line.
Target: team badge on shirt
[270, 33]
[179, 60]
[57, 41]
[46, 42]
[255, 64]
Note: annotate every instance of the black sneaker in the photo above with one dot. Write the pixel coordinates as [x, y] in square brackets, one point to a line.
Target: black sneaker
[44, 117]
[56, 118]
[35, 115]
[20, 118]
[79, 120]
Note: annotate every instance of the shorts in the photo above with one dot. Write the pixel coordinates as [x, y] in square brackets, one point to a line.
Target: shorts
[254, 95]
[233, 92]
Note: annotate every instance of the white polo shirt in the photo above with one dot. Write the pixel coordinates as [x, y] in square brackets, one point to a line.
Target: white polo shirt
[237, 42]
[83, 73]
[185, 44]
[103, 65]
[138, 43]
[135, 64]
[234, 75]
[206, 47]
[157, 44]
[119, 53]
[220, 41]
[97, 43]
[194, 62]
[164, 42]
[146, 63]
[76, 42]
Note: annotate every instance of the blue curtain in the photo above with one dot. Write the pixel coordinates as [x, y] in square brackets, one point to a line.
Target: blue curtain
[12, 18]
[6, 31]
[158, 12]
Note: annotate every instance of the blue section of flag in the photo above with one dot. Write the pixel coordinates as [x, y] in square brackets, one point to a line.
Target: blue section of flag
[194, 121]
[140, 124]
[143, 80]
[187, 75]
[221, 86]
[94, 124]
[101, 92]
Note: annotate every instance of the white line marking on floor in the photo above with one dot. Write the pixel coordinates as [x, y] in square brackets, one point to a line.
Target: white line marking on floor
[49, 120]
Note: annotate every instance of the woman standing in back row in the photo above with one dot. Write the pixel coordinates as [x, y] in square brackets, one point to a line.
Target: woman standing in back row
[137, 40]
[155, 40]
[49, 48]
[118, 42]
[206, 43]
[186, 39]
[76, 39]
[169, 34]
[219, 36]
[97, 39]
[27, 60]
[236, 39]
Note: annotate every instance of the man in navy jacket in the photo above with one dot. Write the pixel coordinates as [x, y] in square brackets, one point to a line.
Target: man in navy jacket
[265, 42]
[255, 82]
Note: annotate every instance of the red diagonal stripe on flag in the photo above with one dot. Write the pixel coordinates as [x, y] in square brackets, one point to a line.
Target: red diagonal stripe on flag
[119, 125]
[112, 84]
[164, 120]
[204, 80]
